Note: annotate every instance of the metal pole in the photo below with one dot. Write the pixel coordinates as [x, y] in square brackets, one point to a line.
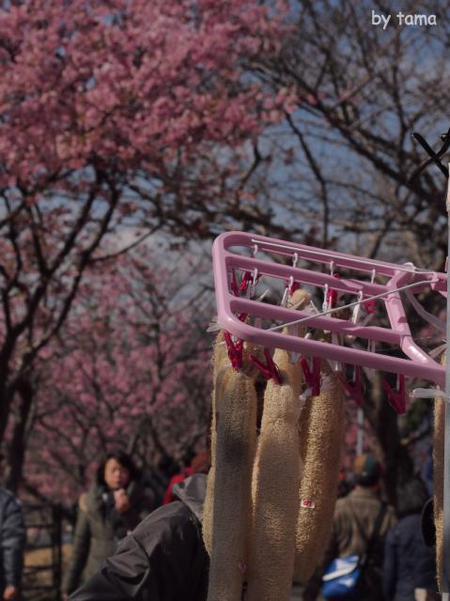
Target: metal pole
[446, 495]
[360, 432]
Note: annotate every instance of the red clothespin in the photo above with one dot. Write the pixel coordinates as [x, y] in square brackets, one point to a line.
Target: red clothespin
[291, 287]
[312, 376]
[370, 307]
[240, 289]
[270, 369]
[295, 286]
[235, 351]
[354, 389]
[234, 284]
[333, 294]
[397, 398]
[332, 298]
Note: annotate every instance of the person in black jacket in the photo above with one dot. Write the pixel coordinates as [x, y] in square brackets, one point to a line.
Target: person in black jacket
[12, 544]
[163, 559]
[408, 563]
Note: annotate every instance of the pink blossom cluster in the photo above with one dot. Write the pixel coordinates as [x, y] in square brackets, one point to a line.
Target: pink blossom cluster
[129, 84]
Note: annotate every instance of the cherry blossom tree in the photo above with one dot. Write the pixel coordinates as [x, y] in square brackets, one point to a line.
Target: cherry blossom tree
[127, 371]
[112, 115]
[345, 163]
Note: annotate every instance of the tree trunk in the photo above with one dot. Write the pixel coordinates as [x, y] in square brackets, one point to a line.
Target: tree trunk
[398, 465]
[7, 391]
[17, 448]
[5, 406]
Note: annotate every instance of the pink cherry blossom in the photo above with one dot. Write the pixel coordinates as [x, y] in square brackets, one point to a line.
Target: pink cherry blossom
[107, 375]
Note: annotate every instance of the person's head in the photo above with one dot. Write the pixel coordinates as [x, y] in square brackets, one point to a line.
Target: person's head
[411, 497]
[367, 471]
[116, 471]
[187, 458]
[201, 463]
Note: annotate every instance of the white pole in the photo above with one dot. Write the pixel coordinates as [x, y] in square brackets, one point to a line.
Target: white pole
[360, 432]
[446, 499]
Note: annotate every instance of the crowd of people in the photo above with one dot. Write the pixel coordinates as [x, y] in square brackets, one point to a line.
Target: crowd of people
[398, 564]
[125, 548]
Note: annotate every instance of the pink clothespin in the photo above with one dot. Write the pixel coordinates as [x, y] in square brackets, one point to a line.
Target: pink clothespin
[354, 389]
[270, 369]
[312, 376]
[235, 351]
[397, 398]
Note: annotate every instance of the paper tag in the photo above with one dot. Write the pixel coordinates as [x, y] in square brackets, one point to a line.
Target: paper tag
[307, 504]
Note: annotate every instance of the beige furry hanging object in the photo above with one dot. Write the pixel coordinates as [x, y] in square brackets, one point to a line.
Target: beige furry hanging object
[321, 442]
[438, 471]
[276, 481]
[227, 511]
[276, 478]
[221, 364]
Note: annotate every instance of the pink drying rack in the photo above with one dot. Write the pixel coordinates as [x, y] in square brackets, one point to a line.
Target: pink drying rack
[257, 257]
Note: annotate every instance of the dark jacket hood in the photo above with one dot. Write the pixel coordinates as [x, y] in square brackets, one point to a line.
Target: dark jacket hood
[192, 493]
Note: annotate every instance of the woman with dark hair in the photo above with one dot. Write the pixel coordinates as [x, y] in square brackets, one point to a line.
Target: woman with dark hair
[409, 564]
[113, 507]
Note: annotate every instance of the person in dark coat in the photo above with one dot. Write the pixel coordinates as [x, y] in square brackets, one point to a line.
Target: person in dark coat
[106, 514]
[12, 545]
[408, 563]
[163, 559]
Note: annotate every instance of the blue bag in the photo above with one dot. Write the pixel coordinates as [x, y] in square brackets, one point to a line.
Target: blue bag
[342, 577]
